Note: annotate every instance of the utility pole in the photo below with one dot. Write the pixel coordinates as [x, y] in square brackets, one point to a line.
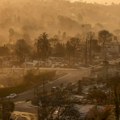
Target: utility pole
[42, 111]
[37, 97]
[90, 47]
[86, 52]
[43, 102]
[105, 60]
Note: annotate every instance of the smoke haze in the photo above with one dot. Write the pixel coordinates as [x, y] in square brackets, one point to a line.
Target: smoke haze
[28, 18]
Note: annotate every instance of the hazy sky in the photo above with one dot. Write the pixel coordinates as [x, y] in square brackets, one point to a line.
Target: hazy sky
[100, 1]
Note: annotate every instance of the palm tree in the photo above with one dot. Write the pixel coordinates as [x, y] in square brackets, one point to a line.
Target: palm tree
[104, 38]
[43, 46]
[71, 48]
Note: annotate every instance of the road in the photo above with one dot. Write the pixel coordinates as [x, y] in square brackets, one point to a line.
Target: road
[72, 76]
[23, 106]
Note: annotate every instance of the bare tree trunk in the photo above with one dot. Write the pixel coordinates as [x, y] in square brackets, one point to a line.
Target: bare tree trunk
[116, 100]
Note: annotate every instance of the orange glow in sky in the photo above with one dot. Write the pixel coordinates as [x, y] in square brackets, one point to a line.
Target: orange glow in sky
[100, 1]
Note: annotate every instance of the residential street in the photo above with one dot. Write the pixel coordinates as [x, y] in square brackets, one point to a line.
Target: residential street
[71, 77]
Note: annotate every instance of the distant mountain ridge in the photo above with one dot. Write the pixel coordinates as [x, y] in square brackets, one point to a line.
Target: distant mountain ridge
[26, 16]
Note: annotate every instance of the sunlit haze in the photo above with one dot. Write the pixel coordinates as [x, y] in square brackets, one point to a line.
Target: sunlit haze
[100, 1]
